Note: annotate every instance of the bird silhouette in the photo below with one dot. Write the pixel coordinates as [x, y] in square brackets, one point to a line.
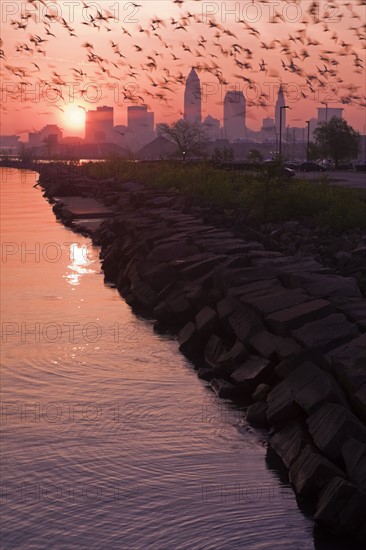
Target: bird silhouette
[315, 51]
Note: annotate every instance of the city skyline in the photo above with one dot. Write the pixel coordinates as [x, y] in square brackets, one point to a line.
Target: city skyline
[280, 100]
[98, 125]
[76, 59]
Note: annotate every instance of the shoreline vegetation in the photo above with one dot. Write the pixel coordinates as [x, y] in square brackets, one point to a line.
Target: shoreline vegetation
[264, 321]
[259, 194]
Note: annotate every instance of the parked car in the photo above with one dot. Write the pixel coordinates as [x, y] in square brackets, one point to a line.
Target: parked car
[287, 172]
[293, 165]
[361, 166]
[275, 169]
[311, 167]
[327, 164]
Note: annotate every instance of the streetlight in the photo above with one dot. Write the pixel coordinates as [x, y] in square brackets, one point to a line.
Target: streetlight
[326, 111]
[308, 146]
[184, 156]
[280, 145]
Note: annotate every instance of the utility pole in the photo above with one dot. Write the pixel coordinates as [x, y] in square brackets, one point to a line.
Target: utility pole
[280, 142]
[308, 145]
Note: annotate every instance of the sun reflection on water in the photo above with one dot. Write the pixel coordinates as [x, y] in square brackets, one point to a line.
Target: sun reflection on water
[81, 260]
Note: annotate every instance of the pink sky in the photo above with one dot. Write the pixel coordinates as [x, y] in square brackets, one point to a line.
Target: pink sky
[318, 57]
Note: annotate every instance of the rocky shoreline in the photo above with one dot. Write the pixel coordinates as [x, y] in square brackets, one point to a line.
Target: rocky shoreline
[283, 334]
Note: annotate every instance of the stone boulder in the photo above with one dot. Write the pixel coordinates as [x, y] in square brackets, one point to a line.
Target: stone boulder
[257, 287]
[332, 286]
[196, 295]
[205, 322]
[261, 391]
[331, 426]
[348, 364]
[215, 347]
[236, 354]
[321, 286]
[281, 405]
[325, 333]
[189, 340]
[244, 323]
[200, 268]
[252, 372]
[310, 472]
[256, 415]
[223, 388]
[145, 295]
[290, 364]
[354, 457]
[173, 310]
[265, 304]
[225, 307]
[354, 309]
[311, 387]
[273, 347]
[342, 508]
[282, 322]
[289, 441]
[172, 251]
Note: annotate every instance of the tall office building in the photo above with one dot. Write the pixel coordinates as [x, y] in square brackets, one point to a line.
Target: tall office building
[140, 126]
[280, 112]
[192, 98]
[325, 114]
[99, 125]
[234, 115]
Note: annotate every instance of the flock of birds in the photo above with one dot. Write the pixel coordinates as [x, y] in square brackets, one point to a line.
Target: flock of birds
[149, 63]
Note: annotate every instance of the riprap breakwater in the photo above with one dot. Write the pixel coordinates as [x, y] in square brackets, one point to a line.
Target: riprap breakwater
[282, 334]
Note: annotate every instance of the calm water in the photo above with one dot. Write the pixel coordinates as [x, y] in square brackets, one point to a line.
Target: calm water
[109, 439]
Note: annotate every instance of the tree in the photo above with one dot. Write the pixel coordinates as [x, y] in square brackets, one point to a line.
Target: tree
[255, 156]
[187, 135]
[25, 154]
[314, 151]
[337, 140]
[223, 155]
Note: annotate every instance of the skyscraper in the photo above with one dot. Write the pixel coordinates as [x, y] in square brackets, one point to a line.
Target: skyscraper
[192, 98]
[326, 113]
[234, 115]
[140, 125]
[280, 112]
[99, 125]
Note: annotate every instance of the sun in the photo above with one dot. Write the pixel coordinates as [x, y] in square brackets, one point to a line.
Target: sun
[74, 117]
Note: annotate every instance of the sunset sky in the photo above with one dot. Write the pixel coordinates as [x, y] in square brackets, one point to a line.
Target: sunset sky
[141, 52]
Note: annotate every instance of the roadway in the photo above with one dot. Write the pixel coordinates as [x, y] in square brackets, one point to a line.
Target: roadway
[357, 180]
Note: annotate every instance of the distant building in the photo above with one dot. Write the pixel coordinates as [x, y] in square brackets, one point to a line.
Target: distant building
[9, 144]
[268, 125]
[313, 125]
[192, 98]
[140, 126]
[212, 128]
[279, 112]
[99, 125]
[34, 140]
[120, 135]
[159, 148]
[49, 136]
[53, 131]
[234, 115]
[326, 113]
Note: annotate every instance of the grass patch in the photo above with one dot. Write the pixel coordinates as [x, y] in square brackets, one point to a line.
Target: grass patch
[265, 201]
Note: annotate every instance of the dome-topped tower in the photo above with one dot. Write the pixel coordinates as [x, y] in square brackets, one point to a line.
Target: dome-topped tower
[192, 98]
[280, 103]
